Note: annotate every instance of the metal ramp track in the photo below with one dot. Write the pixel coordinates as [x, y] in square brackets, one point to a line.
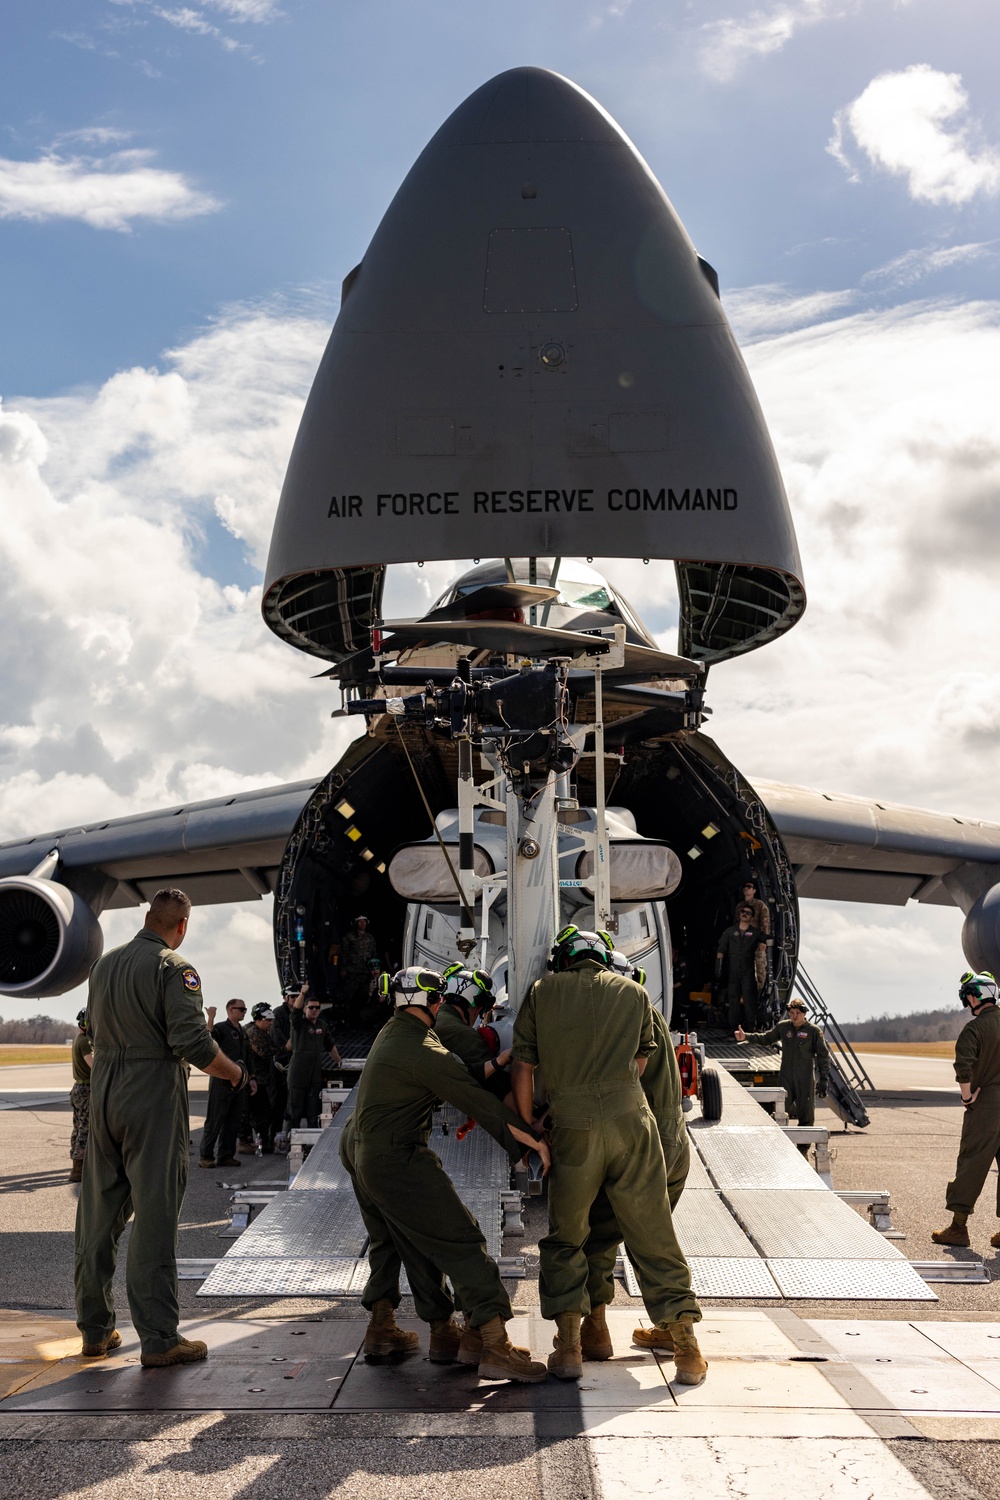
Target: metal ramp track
[311, 1240]
[756, 1221]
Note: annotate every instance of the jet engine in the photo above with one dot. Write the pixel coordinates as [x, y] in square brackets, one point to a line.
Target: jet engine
[49, 937]
[981, 933]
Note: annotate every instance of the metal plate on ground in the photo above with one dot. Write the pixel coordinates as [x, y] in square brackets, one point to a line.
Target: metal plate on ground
[718, 1276]
[309, 1385]
[323, 1168]
[755, 1157]
[723, 1276]
[308, 1226]
[286, 1277]
[857, 1280]
[706, 1227]
[791, 1224]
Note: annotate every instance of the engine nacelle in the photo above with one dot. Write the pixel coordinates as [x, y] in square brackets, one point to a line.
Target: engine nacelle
[981, 933]
[49, 937]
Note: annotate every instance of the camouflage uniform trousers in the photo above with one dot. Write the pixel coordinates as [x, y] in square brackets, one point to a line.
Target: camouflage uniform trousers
[79, 1097]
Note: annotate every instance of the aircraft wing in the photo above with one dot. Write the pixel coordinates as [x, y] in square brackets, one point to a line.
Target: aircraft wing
[226, 849]
[856, 849]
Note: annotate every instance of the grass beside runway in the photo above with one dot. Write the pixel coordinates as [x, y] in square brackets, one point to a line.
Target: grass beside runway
[906, 1049]
[25, 1056]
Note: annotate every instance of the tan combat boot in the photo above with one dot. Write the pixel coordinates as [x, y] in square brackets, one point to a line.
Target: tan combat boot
[689, 1362]
[595, 1340]
[103, 1346]
[75, 1170]
[184, 1352]
[566, 1359]
[995, 1240]
[654, 1339]
[383, 1337]
[470, 1350]
[502, 1360]
[956, 1233]
[446, 1337]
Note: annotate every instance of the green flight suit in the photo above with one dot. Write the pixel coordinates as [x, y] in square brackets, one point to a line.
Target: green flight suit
[661, 1084]
[408, 1202]
[977, 1062]
[584, 1029]
[459, 1037]
[144, 1011]
[804, 1053]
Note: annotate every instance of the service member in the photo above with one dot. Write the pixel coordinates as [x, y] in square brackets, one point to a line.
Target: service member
[977, 1071]
[590, 1032]
[79, 1097]
[262, 1071]
[661, 1084]
[739, 947]
[358, 961]
[311, 1041]
[144, 1011]
[468, 993]
[804, 1053]
[762, 922]
[224, 1109]
[409, 1204]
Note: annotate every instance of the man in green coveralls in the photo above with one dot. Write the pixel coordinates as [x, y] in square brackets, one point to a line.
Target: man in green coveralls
[144, 1009]
[408, 1203]
[804, 1053]
[661, 1084]
[590, 1032]
[467, 993]
[79, 1098]
[977, 1071]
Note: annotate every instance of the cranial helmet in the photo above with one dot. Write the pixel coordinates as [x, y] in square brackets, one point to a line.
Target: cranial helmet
[980, 988]
[412, 986]
[622, 964]
[262, 1012]
[571, 945]
[472, 988]
[81, 1019]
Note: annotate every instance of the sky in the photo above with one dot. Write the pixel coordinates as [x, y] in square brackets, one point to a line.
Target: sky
[183, 188]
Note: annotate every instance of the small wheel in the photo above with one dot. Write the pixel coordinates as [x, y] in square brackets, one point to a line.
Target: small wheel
[711, 1095]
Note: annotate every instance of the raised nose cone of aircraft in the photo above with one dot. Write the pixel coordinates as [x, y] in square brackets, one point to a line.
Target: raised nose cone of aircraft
[532, 359]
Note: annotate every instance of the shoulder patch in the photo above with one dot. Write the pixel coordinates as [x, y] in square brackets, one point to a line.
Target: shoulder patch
[190, 979]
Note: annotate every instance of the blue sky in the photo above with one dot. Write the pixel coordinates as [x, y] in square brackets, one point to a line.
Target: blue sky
[182, 189]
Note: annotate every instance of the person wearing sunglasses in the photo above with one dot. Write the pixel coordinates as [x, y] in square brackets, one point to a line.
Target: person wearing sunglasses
[222, 1117]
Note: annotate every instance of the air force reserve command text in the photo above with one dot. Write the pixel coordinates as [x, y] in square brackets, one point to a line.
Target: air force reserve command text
[537, 502]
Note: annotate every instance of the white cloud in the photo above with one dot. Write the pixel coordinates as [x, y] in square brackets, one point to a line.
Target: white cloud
[730, 43]
[914, 265]
[915, 125]
[106, 193]
[761, 311]
[247, 10]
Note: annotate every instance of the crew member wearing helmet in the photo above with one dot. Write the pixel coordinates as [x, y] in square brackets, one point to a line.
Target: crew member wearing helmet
[977, 1070]
[804, 1053]
[661, 1084]
[469, 992]
[590, 1031]
[408, 1202]
[79, 1097]
[261, 1060]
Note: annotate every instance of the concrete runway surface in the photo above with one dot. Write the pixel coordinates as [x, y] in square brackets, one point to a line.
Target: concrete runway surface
[836, 1399]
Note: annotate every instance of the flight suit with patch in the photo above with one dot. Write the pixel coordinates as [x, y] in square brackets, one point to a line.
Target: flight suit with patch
[661, 1084]
[584, 1029]
[222, 1114]
[977, 1062]
[144, 1011]
[740, 950]
[803, 1053]
[408, 1202]
[79, 1096]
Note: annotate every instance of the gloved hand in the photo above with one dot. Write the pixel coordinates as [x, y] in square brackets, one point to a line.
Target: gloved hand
[822, 1089]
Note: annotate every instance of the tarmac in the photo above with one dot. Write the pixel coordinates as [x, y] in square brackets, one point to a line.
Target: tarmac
[836, 1399]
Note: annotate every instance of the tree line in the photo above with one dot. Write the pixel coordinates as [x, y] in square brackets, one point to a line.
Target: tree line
[38, 1031]
[923, 1026]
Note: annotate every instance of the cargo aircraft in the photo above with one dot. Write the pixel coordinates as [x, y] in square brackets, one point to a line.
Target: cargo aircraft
[531, 364]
